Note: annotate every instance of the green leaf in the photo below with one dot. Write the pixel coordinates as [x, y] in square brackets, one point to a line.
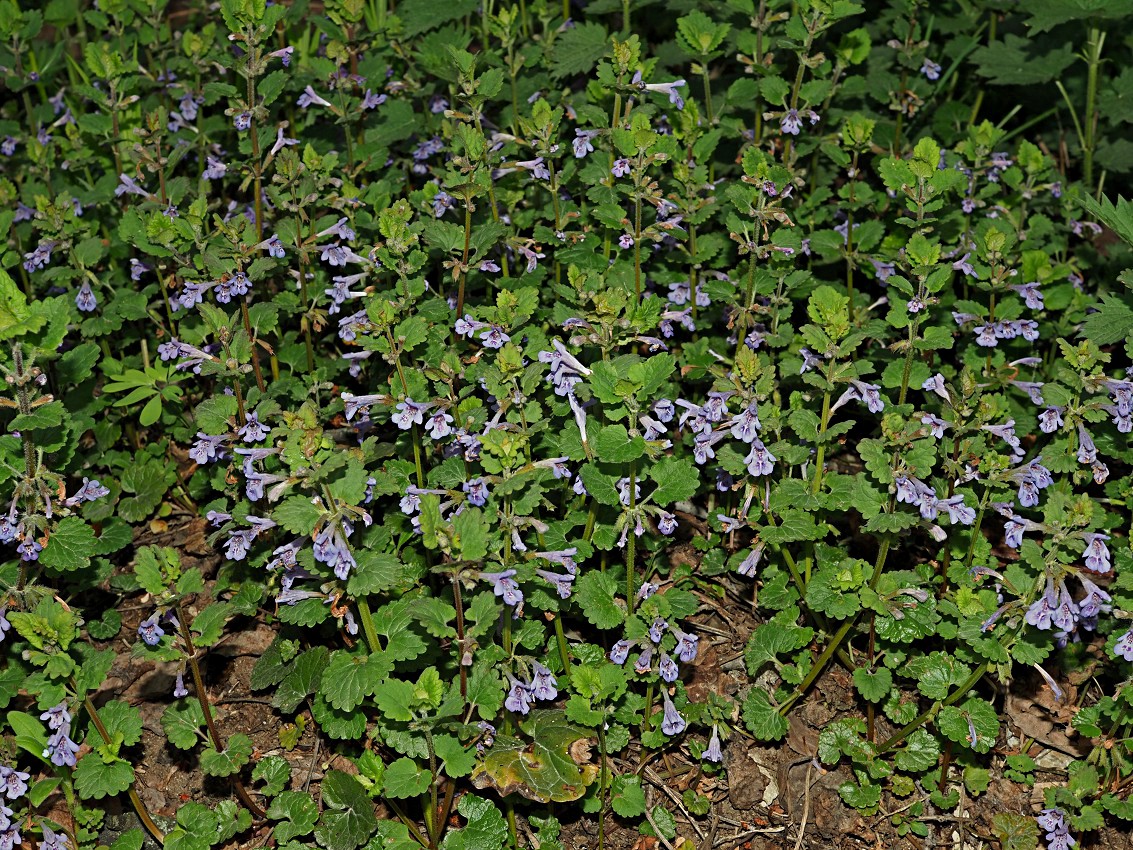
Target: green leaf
[599, 485]
[1012, 62]
[627, 797]
[1015, 831]
[69, 546]
[120, 718]
[676, 480]
[471, 529]
[595, 593]
[779, 636]
[486, 829]
[95, 779]
[578, 49]
[349, 679]
[957, 724]
[302, 680]
[195, 830]
[298, 812]
[919, 754]
[873, 685]
[1113, 322]
[182, 722]
[16, 318]
[48, 415]
[395, 699]
[297, 515]
[1047, 14]
[405, 778]
[458, 759]
[348, 813]
[614, 445]
[542, 767]
[417, 18]
[274, 772]
[236, 754]
[762, 718]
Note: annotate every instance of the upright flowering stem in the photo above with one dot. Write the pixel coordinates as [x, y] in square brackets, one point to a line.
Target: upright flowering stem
[252, 338]
[135, 800]
[820, 450]
[458, 603]
[23, 377]
[637, 246]
[631, 540]
[850, 239]
[1094, 43]
[206, 708]
[464, 262]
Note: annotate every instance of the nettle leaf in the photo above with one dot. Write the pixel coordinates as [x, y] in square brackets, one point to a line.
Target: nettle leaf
[595, 592]
[763, 719]
[235, 755]
[578, 49]
[1015, 831]
[553, 765]
[120, 718]
[95, 779]
[395, 623]
[297, 514]
[348, 813]
[458, 759]
[435, 615]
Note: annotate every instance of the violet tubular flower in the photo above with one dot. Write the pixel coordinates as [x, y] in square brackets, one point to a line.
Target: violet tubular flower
[504, 586]
[671, 723]
[713, 751]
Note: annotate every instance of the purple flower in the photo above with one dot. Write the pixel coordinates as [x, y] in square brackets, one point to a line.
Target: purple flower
[1096, 553]
[8, 146]
[563, 583]
[88, 492]
[477, 490]
[657, 629]
[621, 168]
[644, 661]
[672, 722]
[505, 586]
[519, 698]
[494, 337]
[749, 564]
[962, 265]
[179, 689]
[543, 683]
[620, 651]
[1087, 452]
[1124, 646]
[931, 70]
[57, 716]
[760, 461]
[410, 413]
[1095, 598]
[372, 101]
[252, 431]
[666, 523]
[310, 96]
[667, 668]
[215, 170]
[14, 782]
[790, 122]
[40, 257]
[713, 752]
[582, 142]
[281, 141]
[205, 448]
[61, 749]
[669, 90]
[625, 241]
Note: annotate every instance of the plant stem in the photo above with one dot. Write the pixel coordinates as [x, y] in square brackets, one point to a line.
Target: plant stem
[1094, 44]
[139, 807]
[928, 714]
[202, 698]
[631, 540]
